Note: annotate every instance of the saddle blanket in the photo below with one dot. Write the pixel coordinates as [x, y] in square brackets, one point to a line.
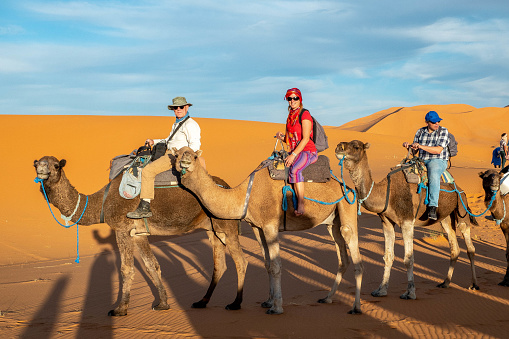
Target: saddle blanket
[316, 172]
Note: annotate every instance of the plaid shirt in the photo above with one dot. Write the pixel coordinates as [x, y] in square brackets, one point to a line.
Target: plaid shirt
[440, 137]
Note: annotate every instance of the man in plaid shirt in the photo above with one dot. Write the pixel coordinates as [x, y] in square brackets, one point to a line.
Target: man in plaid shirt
[431, 141]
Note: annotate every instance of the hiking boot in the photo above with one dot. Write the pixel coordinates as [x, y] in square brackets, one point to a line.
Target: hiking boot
[432, 213]
[142, 211]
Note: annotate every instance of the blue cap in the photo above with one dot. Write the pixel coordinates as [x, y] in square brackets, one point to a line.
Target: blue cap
[432, 117]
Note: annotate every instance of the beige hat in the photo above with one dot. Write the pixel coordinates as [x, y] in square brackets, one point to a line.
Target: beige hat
[179, 101]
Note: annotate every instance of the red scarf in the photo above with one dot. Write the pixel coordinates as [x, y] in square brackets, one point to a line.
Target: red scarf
[293, 116]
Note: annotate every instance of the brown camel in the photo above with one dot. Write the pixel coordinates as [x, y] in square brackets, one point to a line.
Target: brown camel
[258, 200]
[499, 208]
[176, 211]
[406, 208]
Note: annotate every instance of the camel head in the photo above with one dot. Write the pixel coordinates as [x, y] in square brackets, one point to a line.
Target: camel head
[351, 152]
[49, 169]
[490, 183]
[186, 159]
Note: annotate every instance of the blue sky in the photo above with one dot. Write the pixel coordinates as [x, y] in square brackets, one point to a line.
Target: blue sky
[234, 59]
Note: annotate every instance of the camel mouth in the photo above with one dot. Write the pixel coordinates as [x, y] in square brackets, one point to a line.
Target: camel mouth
[185, 164]
[340, 156]
[42, 176]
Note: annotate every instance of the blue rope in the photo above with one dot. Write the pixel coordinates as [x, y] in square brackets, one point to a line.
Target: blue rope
[421, 185]
[286, 189]
[77, 260]
[343, 183]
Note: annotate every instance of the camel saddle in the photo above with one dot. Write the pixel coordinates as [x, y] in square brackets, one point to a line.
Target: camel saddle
[415, 172]
[122, 162]
[316, 172]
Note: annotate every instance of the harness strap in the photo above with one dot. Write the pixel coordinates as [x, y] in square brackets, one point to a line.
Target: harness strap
[402, 167]
[248, 194]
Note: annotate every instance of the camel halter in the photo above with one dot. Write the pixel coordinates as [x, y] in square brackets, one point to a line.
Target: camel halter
[361, 201]
[41, 181]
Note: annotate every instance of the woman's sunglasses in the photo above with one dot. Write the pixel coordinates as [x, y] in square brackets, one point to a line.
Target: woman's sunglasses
[293, 98]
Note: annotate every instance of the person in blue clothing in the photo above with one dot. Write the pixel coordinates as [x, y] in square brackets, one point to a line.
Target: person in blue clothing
[495, 158]
[431, 142]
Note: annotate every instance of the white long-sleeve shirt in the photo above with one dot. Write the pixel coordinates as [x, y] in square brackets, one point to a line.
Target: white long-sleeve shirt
[189, 134]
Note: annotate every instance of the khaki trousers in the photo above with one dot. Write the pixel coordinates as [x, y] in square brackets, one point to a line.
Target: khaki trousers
[149, 172]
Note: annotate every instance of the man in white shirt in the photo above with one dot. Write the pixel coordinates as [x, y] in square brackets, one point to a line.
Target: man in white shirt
[188, 134]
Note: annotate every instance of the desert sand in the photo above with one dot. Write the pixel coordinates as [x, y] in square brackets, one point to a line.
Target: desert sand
[44, 293]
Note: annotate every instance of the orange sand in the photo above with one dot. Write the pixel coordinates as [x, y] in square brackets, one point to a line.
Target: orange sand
[44, 293]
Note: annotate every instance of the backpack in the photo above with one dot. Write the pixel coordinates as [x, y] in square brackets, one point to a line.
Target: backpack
[130, 185]
[453, 146]
[319, 136]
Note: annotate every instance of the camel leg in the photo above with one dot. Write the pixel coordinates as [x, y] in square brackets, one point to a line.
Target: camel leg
[218, 254]
[464, 228]
[125, 245]
[350, 233]
[233, 245]
[505, 228]
[153, 270]
[263, 247]
[389, 235]
[407, 230]
[454, 248]
[341, 251]
[273, 265]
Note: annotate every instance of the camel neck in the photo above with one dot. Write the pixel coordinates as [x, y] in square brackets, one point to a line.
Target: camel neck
[65, 196]
[224, 203]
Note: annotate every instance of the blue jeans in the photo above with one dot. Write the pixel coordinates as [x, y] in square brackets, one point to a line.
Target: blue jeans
[435, 169]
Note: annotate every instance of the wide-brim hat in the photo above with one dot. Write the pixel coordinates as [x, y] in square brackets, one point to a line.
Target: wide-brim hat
[179, 101]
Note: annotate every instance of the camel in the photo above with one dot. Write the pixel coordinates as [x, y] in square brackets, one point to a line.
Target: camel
[407, 209]
[491, 185]
[258, 200]
[176, 211]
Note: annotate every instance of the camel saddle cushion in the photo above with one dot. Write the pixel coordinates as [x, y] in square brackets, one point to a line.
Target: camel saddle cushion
[122, 162]
[316, 172]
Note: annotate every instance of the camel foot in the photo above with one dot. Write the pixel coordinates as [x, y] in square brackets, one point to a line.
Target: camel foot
[325, 301]
[443, 285]
[504, 282]
[232, 307]
[378, 293]
[271, 311]
[474, 287]
[200, 304]
[408, 296]
[266, 304]
[115, 313]
[161, 307]
[355, 310]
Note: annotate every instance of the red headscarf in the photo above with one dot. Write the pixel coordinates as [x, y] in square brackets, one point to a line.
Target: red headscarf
[293, 90]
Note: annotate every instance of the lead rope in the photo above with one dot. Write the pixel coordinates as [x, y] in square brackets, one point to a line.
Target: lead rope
[77, 260]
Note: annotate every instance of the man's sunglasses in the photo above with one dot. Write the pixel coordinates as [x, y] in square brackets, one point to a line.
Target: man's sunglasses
[181, 107]
[293, 98]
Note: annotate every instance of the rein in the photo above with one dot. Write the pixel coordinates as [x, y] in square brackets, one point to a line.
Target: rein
[38, 180]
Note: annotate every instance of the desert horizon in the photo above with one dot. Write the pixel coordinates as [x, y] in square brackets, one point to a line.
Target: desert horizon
[44, 291]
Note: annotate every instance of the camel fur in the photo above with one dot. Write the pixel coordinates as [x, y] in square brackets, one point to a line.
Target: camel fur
[407, 209]
[176, 211]
[499, 209]
[265, 214]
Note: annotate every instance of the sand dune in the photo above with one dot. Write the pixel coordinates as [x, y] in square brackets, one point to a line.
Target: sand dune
[44, 293]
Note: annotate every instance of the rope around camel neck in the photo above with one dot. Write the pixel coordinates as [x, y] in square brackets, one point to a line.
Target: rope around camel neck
[77, 260]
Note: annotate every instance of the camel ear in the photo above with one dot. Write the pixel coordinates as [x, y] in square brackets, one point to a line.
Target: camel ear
[481, 174]
[199, 152]
[174, 151]
[366, 145]
[62, 163]
[35, 163]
